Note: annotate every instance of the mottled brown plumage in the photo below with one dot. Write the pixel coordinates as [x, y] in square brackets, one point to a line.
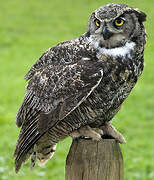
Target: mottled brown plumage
[78, 86]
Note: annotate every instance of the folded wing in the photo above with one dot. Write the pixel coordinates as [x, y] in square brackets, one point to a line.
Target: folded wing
[53, 92]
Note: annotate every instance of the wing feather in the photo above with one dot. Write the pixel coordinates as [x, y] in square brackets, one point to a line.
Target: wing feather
[53, 92]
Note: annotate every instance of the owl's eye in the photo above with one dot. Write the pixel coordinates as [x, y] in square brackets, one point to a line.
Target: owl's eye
[97, 23]
[119, 22]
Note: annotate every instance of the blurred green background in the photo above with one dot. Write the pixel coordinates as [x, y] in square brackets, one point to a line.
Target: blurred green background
[30, 27]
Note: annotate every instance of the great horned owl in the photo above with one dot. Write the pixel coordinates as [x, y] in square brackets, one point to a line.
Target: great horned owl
[77, 87]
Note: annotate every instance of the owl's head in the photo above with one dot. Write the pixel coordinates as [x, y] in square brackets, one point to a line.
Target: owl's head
[114, 25]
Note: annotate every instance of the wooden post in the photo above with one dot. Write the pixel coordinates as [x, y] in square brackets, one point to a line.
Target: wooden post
[91, 160]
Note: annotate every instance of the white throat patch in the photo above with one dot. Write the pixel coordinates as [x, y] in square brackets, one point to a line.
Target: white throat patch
[119, 51]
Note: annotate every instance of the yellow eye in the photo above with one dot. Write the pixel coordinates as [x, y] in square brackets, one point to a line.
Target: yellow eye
[119, 22]
[97, 22]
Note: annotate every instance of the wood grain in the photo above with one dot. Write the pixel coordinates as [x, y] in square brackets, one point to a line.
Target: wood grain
[91, 160]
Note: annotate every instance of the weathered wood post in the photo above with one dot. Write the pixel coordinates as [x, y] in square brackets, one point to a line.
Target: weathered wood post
[91, 160]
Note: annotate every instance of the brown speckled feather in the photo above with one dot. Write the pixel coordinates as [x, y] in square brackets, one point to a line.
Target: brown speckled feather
[80, 82]
[53, 92]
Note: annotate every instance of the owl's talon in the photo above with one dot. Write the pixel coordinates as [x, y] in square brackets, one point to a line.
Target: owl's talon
[98, 130]
[110, 130]
[88, 132]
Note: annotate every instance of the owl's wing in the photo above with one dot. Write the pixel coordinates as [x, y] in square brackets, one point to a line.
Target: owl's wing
[52, 93]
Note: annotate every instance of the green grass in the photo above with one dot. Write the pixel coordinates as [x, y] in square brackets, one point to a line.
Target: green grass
[30, 27]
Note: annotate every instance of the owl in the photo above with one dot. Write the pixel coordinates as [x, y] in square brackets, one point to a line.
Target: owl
[77, 87]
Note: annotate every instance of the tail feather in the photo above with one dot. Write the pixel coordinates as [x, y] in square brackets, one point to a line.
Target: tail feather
[44, 157]
[25, 146]
[24, 134]
[27, 138]
[42, 154]
[45, 149]
[40, 146]
[23, 155]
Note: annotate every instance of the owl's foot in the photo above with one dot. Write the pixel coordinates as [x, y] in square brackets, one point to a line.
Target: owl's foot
[88, 132]
[110, 130]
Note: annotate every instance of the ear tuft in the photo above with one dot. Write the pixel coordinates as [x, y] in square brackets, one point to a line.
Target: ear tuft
[141, 15]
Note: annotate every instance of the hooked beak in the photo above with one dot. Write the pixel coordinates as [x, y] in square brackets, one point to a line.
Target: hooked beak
[106, 33]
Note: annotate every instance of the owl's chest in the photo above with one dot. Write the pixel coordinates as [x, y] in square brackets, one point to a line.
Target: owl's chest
[116, 85]
[119, 79]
